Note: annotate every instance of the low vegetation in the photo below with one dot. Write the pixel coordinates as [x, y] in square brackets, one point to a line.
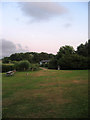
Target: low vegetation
[7, 67]
[20, 66]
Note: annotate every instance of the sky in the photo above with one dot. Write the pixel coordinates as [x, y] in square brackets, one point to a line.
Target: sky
[42, 26]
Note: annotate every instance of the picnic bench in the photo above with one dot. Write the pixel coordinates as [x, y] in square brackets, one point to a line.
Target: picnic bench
[9, 73]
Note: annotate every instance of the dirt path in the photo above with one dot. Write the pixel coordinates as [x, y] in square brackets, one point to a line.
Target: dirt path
[43, 68]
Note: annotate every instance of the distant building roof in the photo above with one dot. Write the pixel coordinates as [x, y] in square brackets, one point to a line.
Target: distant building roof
[44, 60]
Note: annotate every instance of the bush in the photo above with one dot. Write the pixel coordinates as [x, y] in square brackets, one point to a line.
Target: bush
[34, 67]
[22, 65]
[16, 65]
[7, 67]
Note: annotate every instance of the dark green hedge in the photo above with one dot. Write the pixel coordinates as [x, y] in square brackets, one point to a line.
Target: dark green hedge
[7, 67]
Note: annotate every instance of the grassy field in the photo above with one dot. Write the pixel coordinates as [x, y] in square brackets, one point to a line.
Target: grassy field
[46, 94]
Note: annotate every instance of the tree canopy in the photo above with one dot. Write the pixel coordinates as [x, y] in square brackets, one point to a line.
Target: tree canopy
[66, 57]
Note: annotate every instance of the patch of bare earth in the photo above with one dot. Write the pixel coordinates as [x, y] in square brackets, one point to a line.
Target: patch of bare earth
[80, 82]
[48, 84]
[43, 68]
[43, 73]
[66, 71]
[76, 81]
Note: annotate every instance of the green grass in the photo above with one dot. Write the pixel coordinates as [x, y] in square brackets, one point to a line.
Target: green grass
[46, 94]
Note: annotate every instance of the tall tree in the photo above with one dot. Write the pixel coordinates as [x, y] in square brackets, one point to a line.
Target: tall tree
[82, 49]
[65, 50]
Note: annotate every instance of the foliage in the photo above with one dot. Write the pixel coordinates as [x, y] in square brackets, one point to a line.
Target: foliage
[6, 60]
[16, 65]
[66, 57]
[89, 47]
[32, 57]
[73, 62]
[7, 67]
[65, 50]
[52, 64]
[34, 67]
[83, 49]
[23, 65]
[19, 66]
[89, 62]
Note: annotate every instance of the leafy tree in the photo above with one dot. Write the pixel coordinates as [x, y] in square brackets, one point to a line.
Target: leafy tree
[65, 62]
[5, 60]
[79, 62]
[52, 64]
[89, 54]
[36, 58]
[16, 57]
[65, 50]
[73, 62]
[89, 47]
[83, 49]
[28, 56]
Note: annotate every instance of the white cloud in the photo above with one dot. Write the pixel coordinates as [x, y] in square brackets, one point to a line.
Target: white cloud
[42, 10]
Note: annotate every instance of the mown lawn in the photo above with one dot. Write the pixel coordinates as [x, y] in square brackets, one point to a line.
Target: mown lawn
[46, 94]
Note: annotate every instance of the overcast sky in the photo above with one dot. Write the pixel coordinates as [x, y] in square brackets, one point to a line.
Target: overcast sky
[43, 27]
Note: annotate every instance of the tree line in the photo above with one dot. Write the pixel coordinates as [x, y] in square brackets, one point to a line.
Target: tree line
[32, 57]
[66, 57]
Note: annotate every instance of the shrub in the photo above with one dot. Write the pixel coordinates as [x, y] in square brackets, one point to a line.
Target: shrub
[16, 65]
[23, 65]
[34, 67]
[7, 67]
